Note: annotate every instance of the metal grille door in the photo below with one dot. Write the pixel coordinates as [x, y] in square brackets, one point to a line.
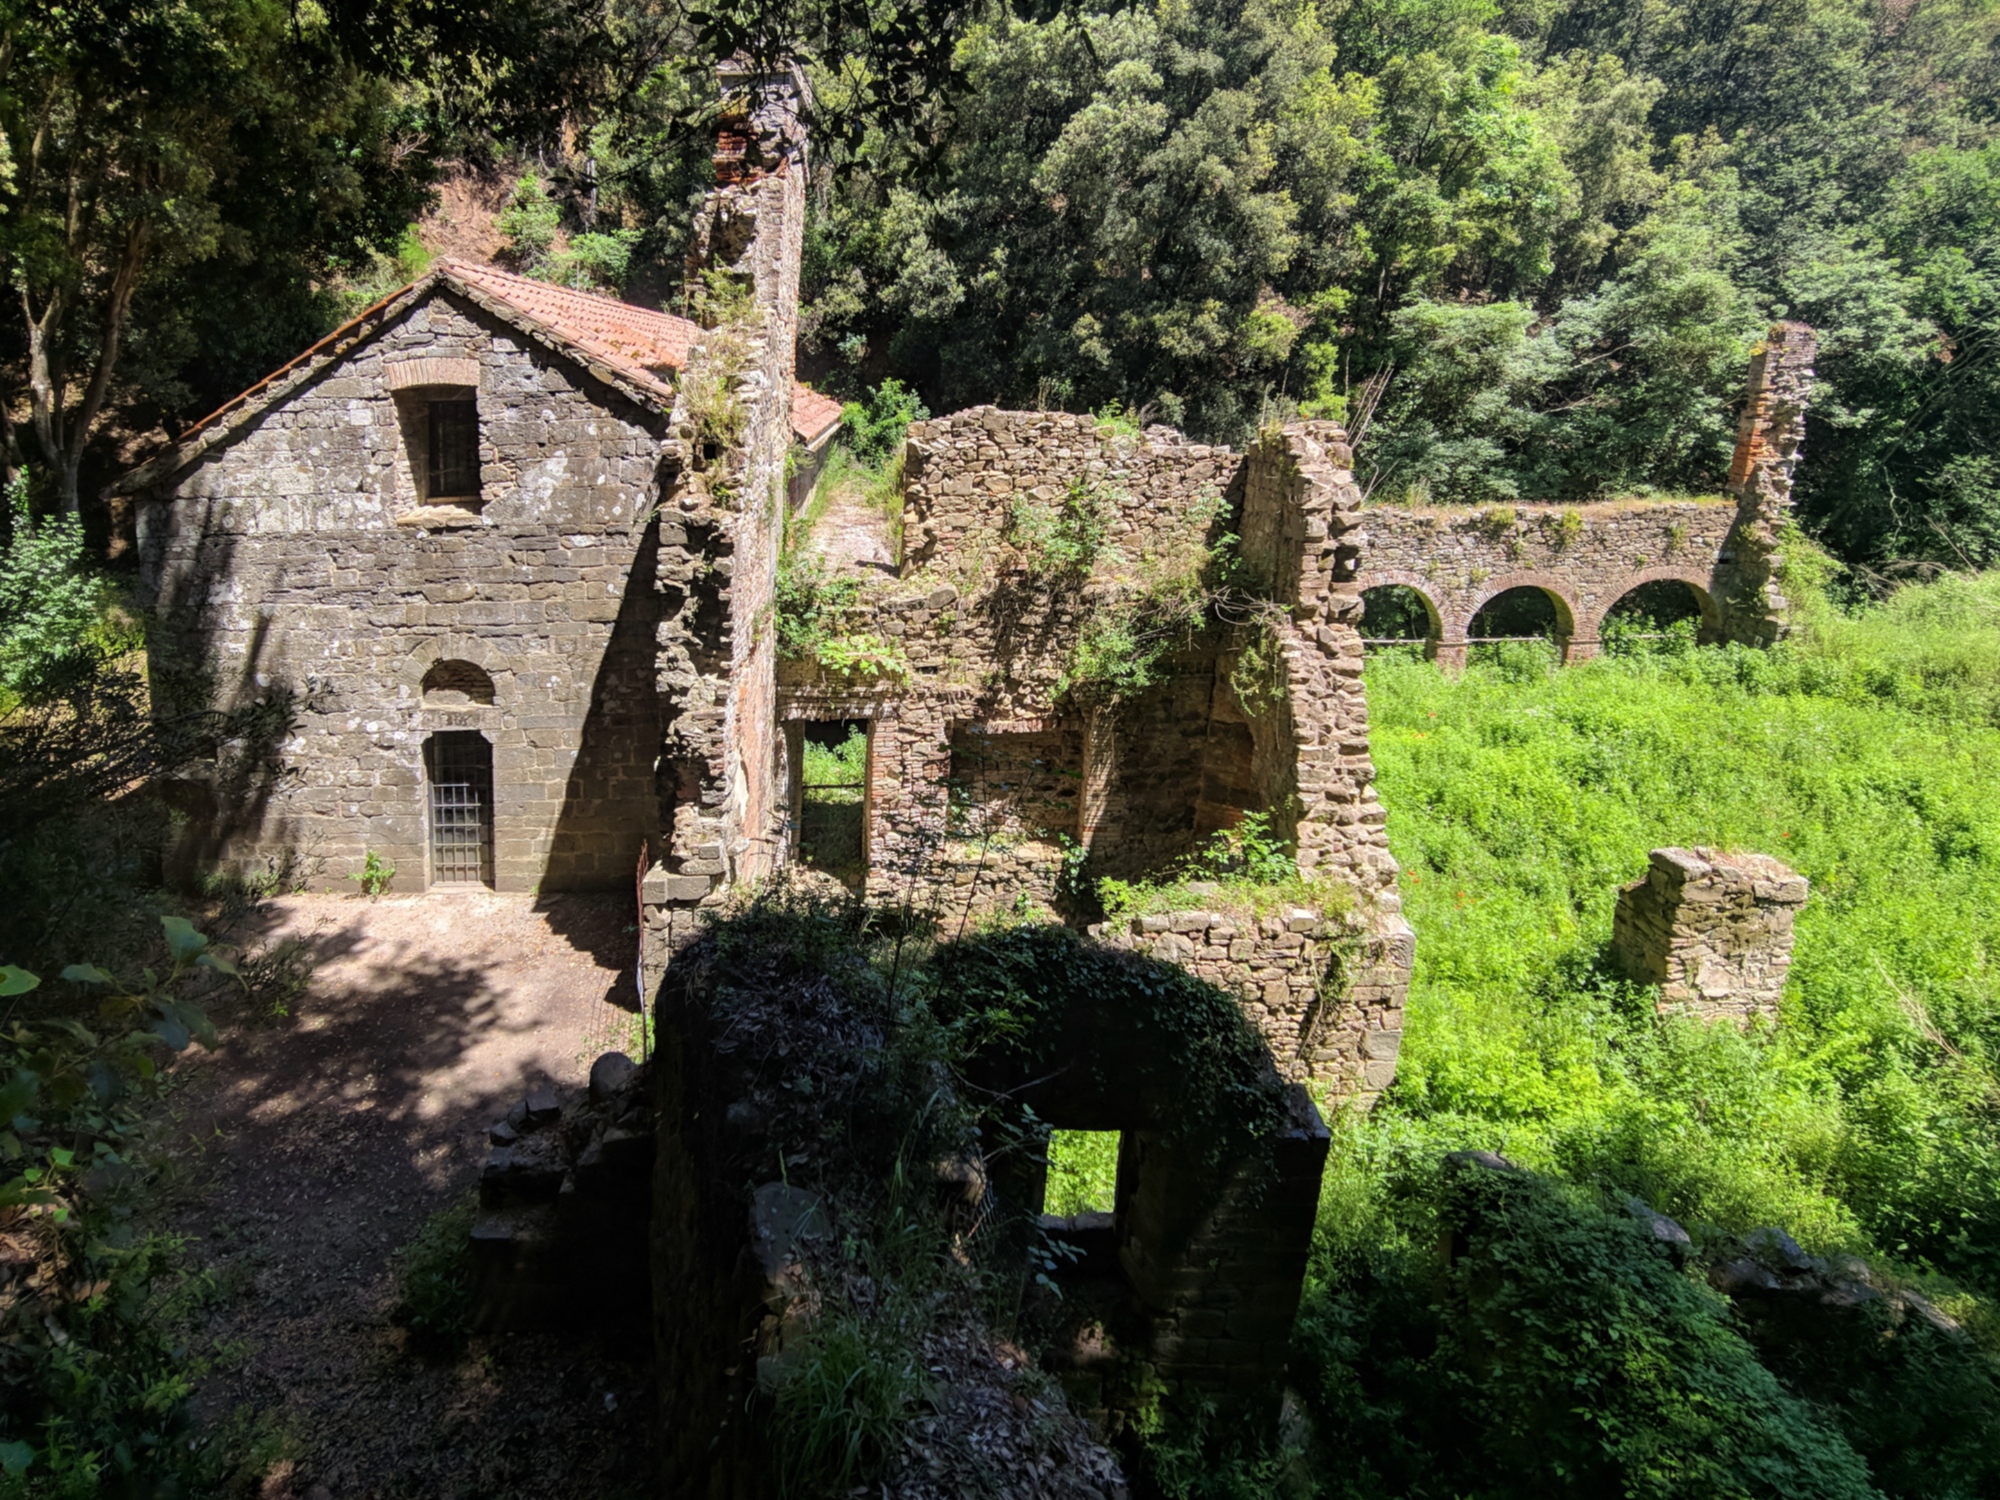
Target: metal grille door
[461, 772]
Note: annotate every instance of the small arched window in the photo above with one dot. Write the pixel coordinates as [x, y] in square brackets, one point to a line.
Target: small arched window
[457, 684]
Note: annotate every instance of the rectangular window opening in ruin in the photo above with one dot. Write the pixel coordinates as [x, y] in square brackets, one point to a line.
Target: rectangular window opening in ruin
[833, 799]
[440, 431]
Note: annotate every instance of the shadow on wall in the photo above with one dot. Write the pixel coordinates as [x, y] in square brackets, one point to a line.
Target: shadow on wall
[611, 800]
[225, 794]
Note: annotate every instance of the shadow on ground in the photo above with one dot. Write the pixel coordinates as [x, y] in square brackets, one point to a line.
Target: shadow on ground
[299, 1157]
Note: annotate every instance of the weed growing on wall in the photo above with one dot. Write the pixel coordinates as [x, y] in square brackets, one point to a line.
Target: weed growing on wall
[709, 404]
[374, 875]
[1161, 601]
[1064, 539]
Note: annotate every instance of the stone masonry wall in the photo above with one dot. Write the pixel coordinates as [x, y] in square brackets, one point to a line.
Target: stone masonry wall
[986, 638]
[962, 473]
[296, 554]
[1712, 929]
[1768, 437]
[1327, 992]
[1588, 557]
[715, 669]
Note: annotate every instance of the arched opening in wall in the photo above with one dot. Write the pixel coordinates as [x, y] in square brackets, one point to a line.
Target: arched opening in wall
[1662, 616]
[458, 777]
[833, 800]
[1395, 616]
[1519, 623]
[457, 684]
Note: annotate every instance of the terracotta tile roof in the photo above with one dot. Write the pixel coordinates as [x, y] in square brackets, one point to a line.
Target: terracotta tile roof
[646, 343]
[813, 415]
[653, 343]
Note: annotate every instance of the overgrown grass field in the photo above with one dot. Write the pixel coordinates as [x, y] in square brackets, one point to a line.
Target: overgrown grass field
[1866, 754]
[1520, 797]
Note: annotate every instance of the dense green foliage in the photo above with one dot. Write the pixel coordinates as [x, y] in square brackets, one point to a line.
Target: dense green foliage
[1520, 797]
[97, 1384]
[1525, 248]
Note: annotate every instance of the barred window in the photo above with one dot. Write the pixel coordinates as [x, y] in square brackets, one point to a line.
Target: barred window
[454, 450]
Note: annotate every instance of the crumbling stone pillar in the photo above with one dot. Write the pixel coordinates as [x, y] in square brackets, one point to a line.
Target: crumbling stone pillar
[723, 810]
[1712, 929]
[1768, 437]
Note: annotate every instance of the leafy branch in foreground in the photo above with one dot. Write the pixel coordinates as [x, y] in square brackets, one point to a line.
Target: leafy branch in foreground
[96, 1377]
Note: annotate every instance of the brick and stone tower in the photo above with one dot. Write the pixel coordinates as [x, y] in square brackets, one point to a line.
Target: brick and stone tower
[1768, 438]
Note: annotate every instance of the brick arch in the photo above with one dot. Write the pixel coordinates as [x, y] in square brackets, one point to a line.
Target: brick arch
[1711, 616]
[1566, 607]
[1417, 584]
[427, 653]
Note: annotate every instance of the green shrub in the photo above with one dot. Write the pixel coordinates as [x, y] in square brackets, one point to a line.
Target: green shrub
[875, 428]
[54, 606]
[434, 1276]
[811, 606]
[1064, 539]
[1560, 1352]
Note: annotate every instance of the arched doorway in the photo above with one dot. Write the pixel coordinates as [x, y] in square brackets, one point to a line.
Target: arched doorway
[458, 777]
[1660, 615]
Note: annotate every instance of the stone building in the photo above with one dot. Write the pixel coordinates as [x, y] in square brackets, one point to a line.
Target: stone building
[459, 528]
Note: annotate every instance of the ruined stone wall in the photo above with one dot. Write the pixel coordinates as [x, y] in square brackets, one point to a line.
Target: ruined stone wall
[723, 808]
[986, 634]
[1768, 437]
[1326, 990]
[297, 554]
[1584, 557]
[963, 473]
[1302, 529]
[1713, 929]
[1588, 557]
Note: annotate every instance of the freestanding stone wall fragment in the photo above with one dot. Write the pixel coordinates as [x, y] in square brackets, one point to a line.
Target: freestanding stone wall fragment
[1768, 437]
[1712, 929]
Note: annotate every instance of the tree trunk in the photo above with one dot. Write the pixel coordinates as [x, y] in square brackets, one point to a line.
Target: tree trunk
[64, 435]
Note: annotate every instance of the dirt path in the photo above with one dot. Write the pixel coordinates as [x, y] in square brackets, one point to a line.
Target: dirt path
[308, 1149]
[853, 534]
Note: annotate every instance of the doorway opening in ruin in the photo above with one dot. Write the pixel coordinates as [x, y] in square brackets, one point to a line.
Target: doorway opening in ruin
[458, 772]
[1520, 614]
[1394, 615]
[1663, 615]
[833, 799]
